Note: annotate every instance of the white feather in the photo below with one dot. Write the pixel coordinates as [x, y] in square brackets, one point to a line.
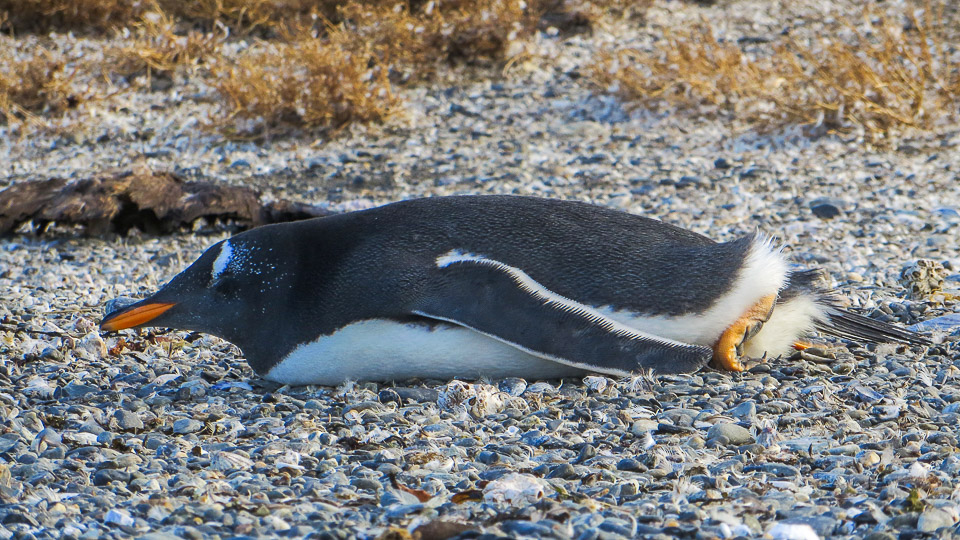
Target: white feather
[791, 320]
[222, 261]
[384, 350]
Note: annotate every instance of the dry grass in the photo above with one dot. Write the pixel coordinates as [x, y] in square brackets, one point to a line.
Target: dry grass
[304, 84]
[157, 49]
[245, 16]
[83, 15]
[99, 16]
[35, 85]
[879, 75]
[417, 39]
[269, 17]
[313, 63]
[347, 71]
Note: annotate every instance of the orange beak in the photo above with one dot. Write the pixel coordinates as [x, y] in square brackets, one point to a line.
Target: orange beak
[133, 317]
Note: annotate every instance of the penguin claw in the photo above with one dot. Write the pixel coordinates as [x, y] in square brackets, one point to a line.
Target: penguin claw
[752, 331]
[728, 350]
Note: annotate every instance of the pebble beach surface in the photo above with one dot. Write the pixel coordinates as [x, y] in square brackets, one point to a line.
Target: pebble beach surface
[170, 434]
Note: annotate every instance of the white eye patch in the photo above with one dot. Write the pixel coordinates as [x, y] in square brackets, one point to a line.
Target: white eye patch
[222, 260]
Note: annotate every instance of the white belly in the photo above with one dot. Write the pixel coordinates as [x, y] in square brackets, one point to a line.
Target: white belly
[383, 350]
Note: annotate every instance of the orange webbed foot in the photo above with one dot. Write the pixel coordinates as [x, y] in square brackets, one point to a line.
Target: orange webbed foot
[728, 349]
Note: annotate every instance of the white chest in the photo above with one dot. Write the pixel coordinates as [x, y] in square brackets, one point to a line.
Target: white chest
[384, 350]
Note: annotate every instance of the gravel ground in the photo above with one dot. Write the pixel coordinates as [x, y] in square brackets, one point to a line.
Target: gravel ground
[172, 435]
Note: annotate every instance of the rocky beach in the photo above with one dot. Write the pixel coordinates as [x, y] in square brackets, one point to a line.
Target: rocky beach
[171, 435]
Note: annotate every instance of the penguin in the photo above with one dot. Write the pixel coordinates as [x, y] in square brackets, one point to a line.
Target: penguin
[495, 286]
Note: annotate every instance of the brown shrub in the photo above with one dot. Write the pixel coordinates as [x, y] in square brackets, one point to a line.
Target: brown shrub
[156, 48]
[44, 15]
[344, 74]
[37, 85]
[329, 62]
[244, 16]
[305, 84]
[883, 79]
[416, 36]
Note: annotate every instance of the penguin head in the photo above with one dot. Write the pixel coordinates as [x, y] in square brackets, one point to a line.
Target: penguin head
[218, 294]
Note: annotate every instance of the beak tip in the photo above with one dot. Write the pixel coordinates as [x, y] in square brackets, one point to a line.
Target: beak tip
[129, 318]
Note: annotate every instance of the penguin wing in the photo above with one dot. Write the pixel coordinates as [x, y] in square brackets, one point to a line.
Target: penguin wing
[506, 304]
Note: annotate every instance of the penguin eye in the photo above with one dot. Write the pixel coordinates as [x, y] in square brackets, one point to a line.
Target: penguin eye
[224, 285]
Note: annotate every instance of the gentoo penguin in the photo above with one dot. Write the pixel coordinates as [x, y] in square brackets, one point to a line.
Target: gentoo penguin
[493, 286]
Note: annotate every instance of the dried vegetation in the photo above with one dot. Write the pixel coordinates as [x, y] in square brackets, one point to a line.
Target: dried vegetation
[70, 15]
[157, 49]
[347, 70]
[312, 63]
[34, 83]
[884, 73]
[306, 83]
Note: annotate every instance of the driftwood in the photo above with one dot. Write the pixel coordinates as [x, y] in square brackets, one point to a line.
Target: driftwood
[153, 202]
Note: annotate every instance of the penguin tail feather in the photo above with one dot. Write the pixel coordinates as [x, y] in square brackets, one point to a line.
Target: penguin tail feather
[836, 321]
[849, 325]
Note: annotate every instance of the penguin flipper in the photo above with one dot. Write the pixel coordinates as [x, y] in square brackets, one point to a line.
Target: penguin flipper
[506, 304]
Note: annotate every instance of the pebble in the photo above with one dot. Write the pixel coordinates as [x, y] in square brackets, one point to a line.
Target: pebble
[730, 433]
[826, 207]
[187, 425]
[792, 531]
[933, 519]
[513, 386]
[745, 412]
[104, 477]
[119, 518]
[128, 421]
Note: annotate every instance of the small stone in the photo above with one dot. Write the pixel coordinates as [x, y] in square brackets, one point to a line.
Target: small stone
[630, 464]
[745, 412]
[868, 458]
[775, 469]
[513, 386]
[542, 388]
[488, 458]
[586, 452]
[933, 519]
[822, 525]
[52, 354]
[187, 425]
[103, 477]
[118, 517]
[118, 303]
[420, 395]
[362, 406]
[792, 531]
[367, 484]
[879, 535]
[826, 207]
[128, 421]
[388, 395]
[75, 390]
[734, 434]
[565, 471]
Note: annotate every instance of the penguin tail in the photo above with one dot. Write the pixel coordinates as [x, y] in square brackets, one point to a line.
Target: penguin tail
[841, 323]
[836, 321]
